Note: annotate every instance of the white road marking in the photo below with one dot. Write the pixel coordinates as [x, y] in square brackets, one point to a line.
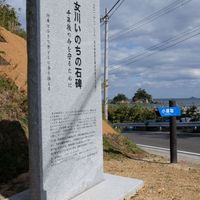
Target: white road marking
[165, 149]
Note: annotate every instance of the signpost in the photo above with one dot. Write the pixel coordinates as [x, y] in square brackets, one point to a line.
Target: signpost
[172, 111]
[173, 135]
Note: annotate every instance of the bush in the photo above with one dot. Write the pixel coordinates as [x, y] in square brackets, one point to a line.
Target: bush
[129, 113]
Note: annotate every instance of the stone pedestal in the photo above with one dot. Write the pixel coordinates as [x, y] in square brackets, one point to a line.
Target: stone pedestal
[112, 188]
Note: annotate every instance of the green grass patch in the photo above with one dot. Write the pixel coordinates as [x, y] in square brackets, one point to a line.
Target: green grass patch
[119, 145]
[7, 85]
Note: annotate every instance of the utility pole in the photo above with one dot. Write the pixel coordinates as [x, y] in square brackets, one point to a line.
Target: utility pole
[173, 136]
[106, 20]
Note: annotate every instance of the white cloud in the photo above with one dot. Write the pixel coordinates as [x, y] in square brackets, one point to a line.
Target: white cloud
[175, 70]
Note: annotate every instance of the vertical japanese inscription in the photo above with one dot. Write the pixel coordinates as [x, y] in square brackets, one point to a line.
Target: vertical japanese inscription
[69, 49]
[74, 40]
[48, 51]
[78, 50]
[95, 45]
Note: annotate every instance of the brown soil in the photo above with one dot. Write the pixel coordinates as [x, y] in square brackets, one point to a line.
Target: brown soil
[15, 53]
[107, 129]
[162, 180]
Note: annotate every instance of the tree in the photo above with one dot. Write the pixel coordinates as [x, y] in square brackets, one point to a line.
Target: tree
[120, 98]
[142, 96]
[192, 112]
[9, 19]
[123, 113]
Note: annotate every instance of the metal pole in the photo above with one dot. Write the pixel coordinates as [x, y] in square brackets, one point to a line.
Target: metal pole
[173, 136]
[106, 19]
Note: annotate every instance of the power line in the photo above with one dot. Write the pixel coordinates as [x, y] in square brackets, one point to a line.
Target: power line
[167, 9]
[175, 44]
[146, 20]
[117, 8]
[113, 7]
[102, 19]
[157, 46]
[109, 14]
[160, 47]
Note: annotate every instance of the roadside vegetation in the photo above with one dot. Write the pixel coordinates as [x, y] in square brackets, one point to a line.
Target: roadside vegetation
[122, 110]
[130, 113]
[141, 108]
[192, 113]
[117, 145]
[13, 102]
[13, 131]
[9, 19]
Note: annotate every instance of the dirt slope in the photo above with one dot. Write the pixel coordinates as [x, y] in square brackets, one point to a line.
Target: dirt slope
[14, 51]
[107, 129]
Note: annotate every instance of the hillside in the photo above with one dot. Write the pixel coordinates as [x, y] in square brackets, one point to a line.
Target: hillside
[13, 58]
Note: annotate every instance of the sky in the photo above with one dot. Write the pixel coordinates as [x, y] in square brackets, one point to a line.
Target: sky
[20, 4]
[134, 60]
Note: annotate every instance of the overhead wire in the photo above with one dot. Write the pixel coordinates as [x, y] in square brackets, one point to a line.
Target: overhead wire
[175, 44]
[113, 7]
[116, 8]
[146, 20]
[163, 43]
[186, 35]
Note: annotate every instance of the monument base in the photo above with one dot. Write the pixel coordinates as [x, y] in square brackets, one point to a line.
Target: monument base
[113, 188]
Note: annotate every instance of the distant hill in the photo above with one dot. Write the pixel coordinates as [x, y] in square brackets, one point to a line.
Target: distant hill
[13, 58]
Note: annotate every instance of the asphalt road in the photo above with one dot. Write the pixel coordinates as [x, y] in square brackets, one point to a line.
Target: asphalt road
[186, 141]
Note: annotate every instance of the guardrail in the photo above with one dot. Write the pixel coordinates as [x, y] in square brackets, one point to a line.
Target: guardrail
[155, 124]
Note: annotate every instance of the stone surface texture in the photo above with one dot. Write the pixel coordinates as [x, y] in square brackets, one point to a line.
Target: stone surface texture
[66, 155]
[113, 188]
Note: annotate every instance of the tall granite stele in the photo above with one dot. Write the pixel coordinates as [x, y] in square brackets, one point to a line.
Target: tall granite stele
[65, 121]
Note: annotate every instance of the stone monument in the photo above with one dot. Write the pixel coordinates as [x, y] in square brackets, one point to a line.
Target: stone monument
[65, 121]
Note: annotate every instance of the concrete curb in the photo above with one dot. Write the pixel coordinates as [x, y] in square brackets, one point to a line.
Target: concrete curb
[182, 155]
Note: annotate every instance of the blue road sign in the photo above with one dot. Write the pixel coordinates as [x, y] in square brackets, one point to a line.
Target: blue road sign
[170, 111]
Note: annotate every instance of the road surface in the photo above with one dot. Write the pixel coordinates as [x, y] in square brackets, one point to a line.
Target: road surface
[186, 141]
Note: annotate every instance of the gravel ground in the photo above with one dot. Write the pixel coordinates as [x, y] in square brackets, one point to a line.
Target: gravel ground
[163, 181]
